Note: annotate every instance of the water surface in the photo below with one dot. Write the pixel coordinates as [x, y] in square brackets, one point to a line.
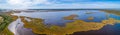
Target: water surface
[56, 18]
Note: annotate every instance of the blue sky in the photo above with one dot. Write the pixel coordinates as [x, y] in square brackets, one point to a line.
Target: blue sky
[59, 4]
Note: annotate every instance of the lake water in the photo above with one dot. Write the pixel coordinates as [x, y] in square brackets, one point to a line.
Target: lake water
[56, 18]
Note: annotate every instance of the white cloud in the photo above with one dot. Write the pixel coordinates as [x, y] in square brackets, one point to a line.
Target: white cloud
[80, 6]
[26, 3]
[41, 2]
[69, 6]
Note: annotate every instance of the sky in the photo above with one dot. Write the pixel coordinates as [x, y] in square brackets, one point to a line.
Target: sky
[59, 4]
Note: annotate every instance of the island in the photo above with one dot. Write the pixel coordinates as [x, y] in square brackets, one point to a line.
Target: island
[91, 18]
[70, 17]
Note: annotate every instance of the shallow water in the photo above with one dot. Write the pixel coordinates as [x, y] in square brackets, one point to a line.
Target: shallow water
[17, 28]
[106, 30]
[114, 16]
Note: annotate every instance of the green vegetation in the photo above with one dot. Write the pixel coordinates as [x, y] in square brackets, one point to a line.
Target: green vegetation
[4, 25]
[38, 26]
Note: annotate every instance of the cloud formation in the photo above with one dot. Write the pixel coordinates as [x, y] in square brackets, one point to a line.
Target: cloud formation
[26, 2]
[58, 4]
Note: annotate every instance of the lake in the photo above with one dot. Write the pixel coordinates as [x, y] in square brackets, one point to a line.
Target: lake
[56, 18]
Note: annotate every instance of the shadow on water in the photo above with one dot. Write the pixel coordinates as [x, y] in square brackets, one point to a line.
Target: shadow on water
[106, 30]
